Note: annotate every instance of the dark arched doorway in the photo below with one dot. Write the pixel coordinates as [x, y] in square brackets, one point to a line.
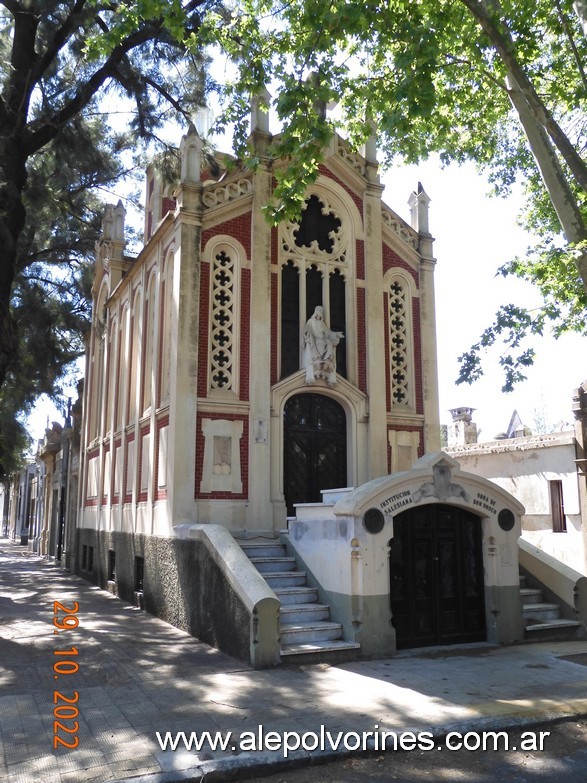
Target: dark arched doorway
[436, 575]
[314, 448]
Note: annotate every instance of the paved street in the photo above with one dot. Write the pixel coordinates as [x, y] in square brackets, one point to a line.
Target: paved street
[138, 676]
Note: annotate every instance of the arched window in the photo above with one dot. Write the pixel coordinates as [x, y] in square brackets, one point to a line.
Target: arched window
[113, 350]
[98, 368]
[290, 320]
[225, 269]
[401, 361]
[148, 345]
[134, 358]
[166, 322]
[122, 367]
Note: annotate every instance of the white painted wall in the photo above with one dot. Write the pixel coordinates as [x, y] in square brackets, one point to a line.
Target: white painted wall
[524, 467]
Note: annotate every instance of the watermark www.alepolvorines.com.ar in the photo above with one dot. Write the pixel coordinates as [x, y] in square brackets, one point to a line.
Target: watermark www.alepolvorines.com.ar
[324, 740]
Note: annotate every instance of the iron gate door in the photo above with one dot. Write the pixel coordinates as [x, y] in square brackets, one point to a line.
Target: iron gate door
[314, 448]
[436, 573]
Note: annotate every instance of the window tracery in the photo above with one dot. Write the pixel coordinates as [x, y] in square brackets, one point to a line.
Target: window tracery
[314, 272]
[399, 343]
[222, 322]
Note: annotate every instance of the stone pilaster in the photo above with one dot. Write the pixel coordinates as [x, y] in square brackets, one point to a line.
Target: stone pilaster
[185, 337]
[259, 510]
[419, 202]
[375, 325]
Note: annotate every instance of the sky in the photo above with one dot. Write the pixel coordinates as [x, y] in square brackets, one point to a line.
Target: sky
[474, 235]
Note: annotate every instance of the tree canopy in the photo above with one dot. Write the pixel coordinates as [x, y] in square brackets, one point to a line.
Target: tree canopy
[500, 83]
[72, 120]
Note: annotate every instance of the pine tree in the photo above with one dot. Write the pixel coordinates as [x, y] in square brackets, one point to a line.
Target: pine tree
[64, 66]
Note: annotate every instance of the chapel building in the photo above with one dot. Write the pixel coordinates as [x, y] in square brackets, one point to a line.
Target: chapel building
[203, 400]
[241, 380]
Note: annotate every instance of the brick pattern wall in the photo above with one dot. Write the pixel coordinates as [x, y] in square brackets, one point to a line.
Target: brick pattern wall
[391, 260]
[361, 340]
[360, 254]
[239, 228]
[204, 331]
[274, 327]
[245, 334]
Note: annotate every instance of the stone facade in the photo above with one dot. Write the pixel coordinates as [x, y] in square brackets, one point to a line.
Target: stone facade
[198, 408]
[194, 363]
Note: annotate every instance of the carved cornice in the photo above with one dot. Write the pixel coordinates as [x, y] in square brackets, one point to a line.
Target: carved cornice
[407, 235]
[217, 195]
[352, 159]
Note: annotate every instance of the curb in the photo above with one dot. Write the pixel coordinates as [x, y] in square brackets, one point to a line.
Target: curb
[243, 767]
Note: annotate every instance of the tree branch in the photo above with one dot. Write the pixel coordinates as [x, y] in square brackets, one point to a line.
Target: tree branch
[169, 98]
[60, 38]
[34, 141]
[569, 34]
[452, 60]
[501, 39]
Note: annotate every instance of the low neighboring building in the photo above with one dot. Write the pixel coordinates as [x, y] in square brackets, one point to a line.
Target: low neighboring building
[538, 470]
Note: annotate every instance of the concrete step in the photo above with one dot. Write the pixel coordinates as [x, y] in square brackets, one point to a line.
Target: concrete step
[273, 564]
[309, 633]
[299, 614]
[554, 630]
[337, 651]
[305, 631]
[263, 549]
[296, 595]
[531, 596]
[541, 612]
[523, 581]
[285, 578]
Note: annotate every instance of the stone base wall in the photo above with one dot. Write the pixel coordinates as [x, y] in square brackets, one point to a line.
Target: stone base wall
[182, 585]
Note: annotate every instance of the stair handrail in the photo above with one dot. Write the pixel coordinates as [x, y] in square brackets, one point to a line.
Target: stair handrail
[567, 584]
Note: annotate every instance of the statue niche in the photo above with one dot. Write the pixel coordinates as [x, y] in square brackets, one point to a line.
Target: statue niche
[319, 349]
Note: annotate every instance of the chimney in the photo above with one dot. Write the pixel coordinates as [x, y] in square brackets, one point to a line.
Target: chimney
[463, 429]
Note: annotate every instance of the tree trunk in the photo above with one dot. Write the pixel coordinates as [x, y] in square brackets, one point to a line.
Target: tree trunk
[580, 7]
[12, 220]
[501, 39]
[553, 176]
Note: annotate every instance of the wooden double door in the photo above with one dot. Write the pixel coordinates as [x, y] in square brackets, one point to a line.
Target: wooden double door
[437, 588]
[314, 448]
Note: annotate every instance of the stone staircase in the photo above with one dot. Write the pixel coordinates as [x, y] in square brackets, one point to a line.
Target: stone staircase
[306, 633]
[543, 620]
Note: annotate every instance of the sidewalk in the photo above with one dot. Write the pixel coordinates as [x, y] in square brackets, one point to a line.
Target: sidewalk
[138, 676]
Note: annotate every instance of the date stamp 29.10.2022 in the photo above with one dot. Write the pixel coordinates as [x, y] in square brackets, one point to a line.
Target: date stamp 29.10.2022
[65, 710]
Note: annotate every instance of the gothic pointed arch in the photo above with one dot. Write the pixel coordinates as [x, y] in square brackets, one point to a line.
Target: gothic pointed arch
[399, 292]
[226, 257]
[317, 268]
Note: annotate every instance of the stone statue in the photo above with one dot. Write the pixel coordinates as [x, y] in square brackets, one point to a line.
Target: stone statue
[319, 349]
